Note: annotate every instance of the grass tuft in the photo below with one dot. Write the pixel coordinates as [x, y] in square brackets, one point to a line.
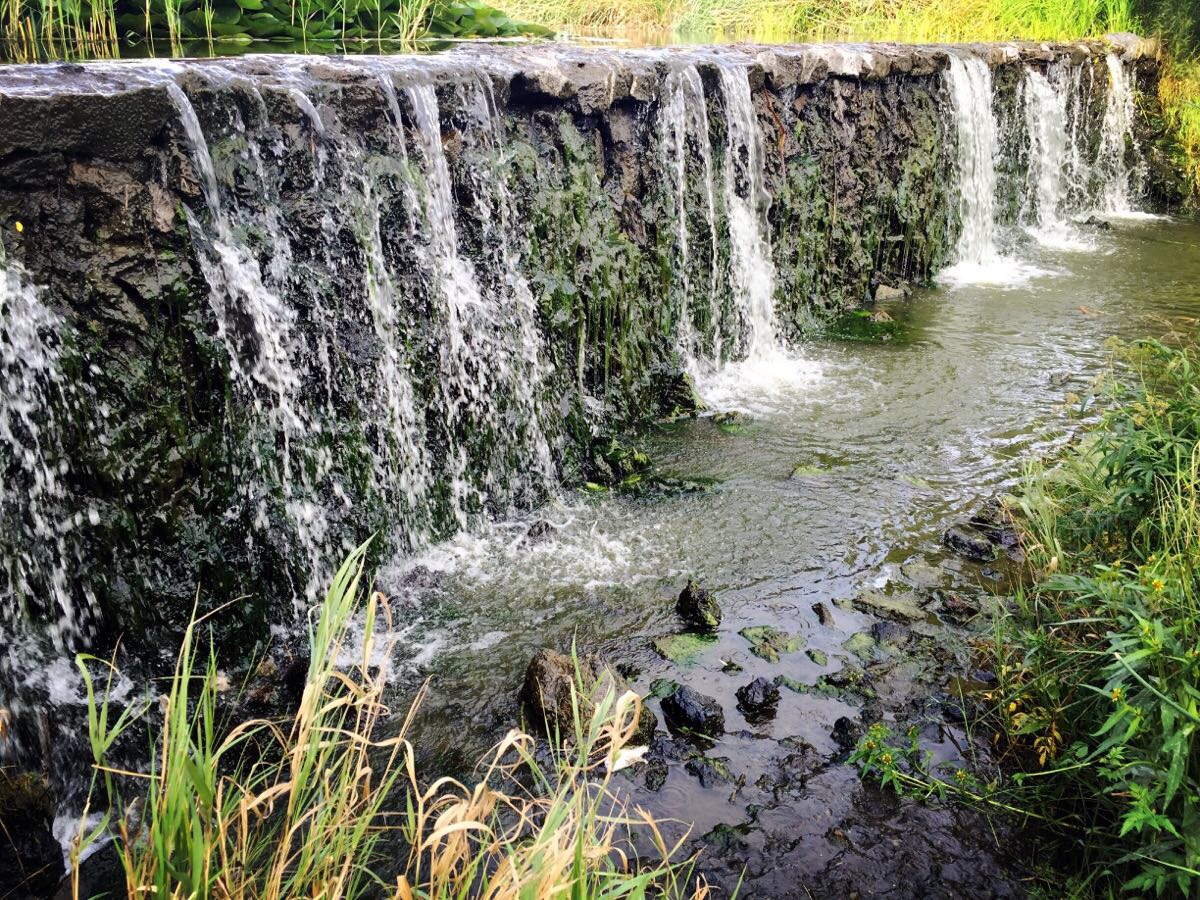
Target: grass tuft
[330, 804]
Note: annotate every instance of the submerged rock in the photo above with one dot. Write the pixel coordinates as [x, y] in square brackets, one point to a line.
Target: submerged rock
[757, 700]
[698, 608]
[768, 642]
[689, 711]
[680, 397]
[682, 649]
[824, 616]
[554, 686]
[861, 645]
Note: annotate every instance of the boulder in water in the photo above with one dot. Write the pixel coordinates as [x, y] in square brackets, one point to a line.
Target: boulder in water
[885, 293]
[758, 699]
[689, 711]
[555, 684]
[698, 608]
[539, 531]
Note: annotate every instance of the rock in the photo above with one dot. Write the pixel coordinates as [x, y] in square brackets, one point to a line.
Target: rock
[732, 422]
[922, 574]
[550, 681]
[30, 856]
[886, 293]
[539, 531]
[890, 634]
[824, 616]
[682, 649]
[806, 472]
[818, 657]
[1058, 379]
[757, 700]
[691, 712]
[698, 608]
[995, 522]
[768, 642]
[846, 733]
[905, 606]
[1097, 223]
[710, 772]
[662, 687]
[732, 667]
[969, 543]
[861, 645]
[680, 397]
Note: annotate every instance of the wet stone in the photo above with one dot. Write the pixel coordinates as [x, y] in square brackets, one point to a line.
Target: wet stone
[689, 711]
[818, 657]
[758, 700]
[698, 608]
[890, 634]
[969, 543]
[29, 852]
[539, 531]
[768, 642]
[861, 645]
[554, 689]
[846, 733]
[824, 616]
[709, 771]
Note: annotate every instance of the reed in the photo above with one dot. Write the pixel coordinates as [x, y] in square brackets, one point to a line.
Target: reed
[330, 804]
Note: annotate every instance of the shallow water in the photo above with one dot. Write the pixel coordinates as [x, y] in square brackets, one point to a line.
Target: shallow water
[897, 440]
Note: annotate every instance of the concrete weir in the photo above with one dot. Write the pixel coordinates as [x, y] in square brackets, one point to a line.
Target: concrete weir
[259, 308]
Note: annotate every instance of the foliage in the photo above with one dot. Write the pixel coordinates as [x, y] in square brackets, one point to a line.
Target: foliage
[267, 809]
[1099, 704]
[87, 28]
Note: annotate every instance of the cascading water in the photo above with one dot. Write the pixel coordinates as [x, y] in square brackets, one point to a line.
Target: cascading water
[684, 123]
[765, 368]
[1120, 180]
[1050, 161]
[489, 346]
[977, 255]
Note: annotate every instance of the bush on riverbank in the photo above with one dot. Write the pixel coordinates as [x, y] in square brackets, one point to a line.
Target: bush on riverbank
[327, 805]
[1100, 663]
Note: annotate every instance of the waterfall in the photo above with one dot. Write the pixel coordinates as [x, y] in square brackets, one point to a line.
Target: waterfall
[489, 345]
[977, 255]
[1051, 152]
[684, 126]
[1118, 178]
[765, 371]
[257, 325]
[746, 200]
[35, 527]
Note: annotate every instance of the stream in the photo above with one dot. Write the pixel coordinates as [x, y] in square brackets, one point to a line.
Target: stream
[891, 442]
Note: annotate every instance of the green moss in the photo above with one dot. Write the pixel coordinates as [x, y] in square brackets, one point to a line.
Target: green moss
[683, 649]
[769, 642]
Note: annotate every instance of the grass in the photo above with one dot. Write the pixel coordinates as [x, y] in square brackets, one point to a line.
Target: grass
[1099, 706]
[330, 804]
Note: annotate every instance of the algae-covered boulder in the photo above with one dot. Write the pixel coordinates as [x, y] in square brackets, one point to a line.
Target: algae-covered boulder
[557, 685]
[698, 608]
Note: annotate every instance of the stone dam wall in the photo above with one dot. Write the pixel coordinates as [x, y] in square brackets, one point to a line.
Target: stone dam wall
[257, 310]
